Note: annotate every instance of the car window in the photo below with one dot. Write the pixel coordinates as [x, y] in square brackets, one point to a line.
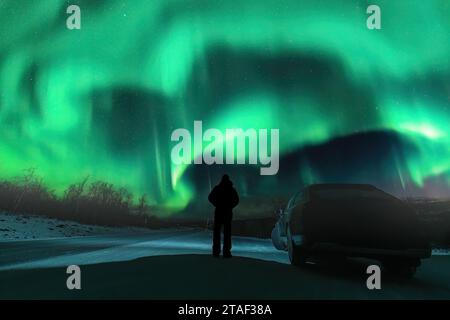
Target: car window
[289, 204]
[298, 197]
[348, 193]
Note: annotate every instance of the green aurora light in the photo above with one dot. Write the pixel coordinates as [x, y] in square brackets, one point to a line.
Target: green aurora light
[103, 100]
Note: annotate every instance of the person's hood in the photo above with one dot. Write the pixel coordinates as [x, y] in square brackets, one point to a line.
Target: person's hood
[226, 183]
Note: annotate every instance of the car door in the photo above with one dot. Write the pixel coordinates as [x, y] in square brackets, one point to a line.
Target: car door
[289, 209]
[293, 225]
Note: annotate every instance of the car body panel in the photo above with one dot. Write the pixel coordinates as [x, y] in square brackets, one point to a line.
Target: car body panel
[350, 220]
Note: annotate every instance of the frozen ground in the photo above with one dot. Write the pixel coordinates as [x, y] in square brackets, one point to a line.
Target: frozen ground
[58, 252]
[23, 227]
[36, 242]
[176, 264]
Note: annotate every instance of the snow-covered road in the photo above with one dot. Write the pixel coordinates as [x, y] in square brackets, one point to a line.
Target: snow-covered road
[36, 268]
[57, 252]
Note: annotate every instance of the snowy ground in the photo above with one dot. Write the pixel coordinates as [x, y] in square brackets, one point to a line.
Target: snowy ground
[24, 227]
[37, 242]
[88, 250]
[176, 264]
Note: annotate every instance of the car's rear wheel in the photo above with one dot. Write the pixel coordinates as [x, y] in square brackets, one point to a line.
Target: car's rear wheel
[402, 268]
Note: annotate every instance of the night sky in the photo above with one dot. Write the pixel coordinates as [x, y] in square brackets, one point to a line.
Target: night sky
[352, 104]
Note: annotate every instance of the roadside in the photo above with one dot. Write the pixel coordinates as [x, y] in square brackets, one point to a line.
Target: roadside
[26, 227]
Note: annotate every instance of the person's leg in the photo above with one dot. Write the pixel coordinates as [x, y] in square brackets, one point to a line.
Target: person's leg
[227, 237]
[216, 236]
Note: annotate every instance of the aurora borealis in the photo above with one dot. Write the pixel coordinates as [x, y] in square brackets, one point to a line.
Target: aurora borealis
[103, 100]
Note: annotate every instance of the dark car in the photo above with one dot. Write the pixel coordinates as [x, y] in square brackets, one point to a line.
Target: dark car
[350, 220]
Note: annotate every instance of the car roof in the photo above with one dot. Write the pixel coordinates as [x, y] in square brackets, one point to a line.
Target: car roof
[342, 186]
[314, 189]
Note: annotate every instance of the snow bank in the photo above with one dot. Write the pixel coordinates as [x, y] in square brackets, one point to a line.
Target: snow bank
[22, 227]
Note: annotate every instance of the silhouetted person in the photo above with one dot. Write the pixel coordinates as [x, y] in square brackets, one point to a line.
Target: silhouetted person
[224, 197]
